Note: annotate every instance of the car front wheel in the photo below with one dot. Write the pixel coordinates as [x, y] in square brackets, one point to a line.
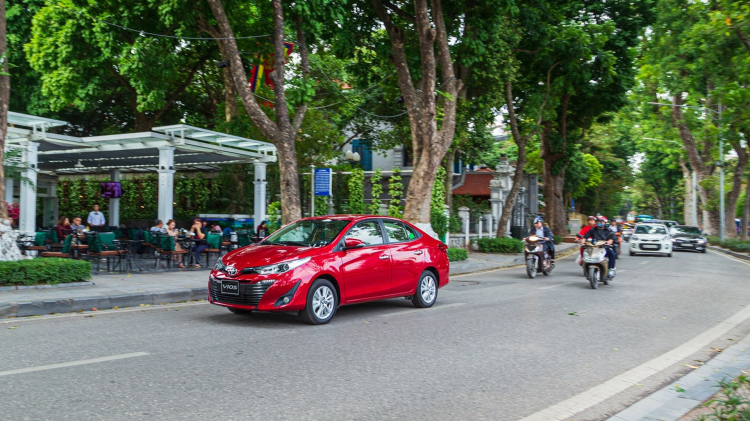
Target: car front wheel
[427, 290]
[322, 302]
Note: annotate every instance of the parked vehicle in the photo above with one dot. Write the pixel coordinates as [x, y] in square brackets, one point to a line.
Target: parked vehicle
[537, 258]
[314, 265]
[685, 237]
[650, 239]
[596, 264]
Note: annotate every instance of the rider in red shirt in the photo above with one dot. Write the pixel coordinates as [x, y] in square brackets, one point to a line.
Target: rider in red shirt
[591, 223]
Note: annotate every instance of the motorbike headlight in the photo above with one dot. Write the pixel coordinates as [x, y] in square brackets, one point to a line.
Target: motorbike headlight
[281, 267]
[634, 237]
[220, 264]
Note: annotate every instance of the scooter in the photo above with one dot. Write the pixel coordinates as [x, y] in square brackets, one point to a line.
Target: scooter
[537, 258]
[596, 264]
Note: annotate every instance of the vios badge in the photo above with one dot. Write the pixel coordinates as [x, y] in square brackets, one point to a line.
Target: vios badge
[231, 270]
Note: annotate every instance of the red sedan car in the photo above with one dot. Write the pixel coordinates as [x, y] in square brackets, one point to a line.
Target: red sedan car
[314, 265]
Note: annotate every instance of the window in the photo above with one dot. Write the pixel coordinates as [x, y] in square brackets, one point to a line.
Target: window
[315, 233]
[650, 229]
[364, 149]
[407, 160]
[398, 232]
[369, 232]
[685, 230]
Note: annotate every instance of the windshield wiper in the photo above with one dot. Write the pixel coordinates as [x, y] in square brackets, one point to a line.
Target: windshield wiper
[289, 243]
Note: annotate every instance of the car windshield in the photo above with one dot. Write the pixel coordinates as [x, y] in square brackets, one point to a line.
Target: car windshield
[650, 229]
[685, 230]
[308, 233]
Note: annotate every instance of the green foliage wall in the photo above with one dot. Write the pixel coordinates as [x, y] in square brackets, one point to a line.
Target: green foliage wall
[396, 191]
[376, 191]
[357, 191]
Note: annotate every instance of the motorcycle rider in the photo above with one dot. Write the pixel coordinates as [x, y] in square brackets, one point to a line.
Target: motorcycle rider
[618, 233]
[591, 223]
[542, 231]
[602, 232]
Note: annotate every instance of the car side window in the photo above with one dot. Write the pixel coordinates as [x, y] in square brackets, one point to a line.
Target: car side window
[368, 231]
[398, 232]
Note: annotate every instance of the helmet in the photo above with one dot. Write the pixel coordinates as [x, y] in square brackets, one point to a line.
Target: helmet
[538, 219]
[591, 217]
[603, 219]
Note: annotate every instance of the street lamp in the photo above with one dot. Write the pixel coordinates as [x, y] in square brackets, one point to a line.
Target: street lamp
[352, 156]
[720, 164]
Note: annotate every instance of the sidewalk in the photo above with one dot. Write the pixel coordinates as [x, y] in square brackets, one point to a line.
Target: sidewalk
[132, 290]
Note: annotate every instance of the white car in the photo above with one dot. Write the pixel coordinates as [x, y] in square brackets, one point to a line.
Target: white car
[650, 239]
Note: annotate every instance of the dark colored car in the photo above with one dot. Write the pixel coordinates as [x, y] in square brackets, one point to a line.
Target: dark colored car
[685, 237]
[315, 265]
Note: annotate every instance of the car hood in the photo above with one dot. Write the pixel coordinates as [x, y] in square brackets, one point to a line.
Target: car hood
[650, 236]
[262, 255]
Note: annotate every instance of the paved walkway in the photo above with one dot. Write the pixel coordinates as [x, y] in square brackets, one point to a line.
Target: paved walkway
[130, 290]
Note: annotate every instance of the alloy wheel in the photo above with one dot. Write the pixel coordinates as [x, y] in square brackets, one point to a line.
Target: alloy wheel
[323, 302]
[428, 289]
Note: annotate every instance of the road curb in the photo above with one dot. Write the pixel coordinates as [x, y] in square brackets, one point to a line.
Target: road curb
[729, 252]
[688, 392]
[38, 308]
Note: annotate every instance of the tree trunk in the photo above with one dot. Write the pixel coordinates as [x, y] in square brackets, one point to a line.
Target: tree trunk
[746, 209]
[520, 163]
[687, 208]
[730, 209]
[429, 143]
[143, 123]
[702, 170]
[281, 132]
[4, 104]
[554, 210]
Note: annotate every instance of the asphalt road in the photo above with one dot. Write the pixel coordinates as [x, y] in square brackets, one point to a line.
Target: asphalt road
[496, 346]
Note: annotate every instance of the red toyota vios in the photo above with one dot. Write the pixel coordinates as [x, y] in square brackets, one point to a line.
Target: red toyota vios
[314, 265]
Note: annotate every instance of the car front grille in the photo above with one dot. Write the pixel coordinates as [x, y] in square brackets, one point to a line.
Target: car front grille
[250, 294]
[651, 247]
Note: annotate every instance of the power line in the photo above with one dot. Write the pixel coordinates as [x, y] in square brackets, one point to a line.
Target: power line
[143, 33]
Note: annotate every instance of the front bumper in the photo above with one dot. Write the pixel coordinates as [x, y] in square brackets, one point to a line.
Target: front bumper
[262, 293]
[684, 245]
[650, 247]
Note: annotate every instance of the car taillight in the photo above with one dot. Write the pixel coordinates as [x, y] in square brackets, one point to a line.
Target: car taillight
[442, 247]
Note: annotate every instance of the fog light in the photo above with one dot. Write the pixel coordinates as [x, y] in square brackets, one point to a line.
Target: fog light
[286, 300]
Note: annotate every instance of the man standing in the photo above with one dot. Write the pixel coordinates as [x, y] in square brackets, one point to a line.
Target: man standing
[96, 219]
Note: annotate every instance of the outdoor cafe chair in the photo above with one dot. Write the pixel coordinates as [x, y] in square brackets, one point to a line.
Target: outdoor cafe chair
[101, 245]
[66, 249]
[214, 246]
[40, 242]
[166, 248]
[243, 238]
[149, 242]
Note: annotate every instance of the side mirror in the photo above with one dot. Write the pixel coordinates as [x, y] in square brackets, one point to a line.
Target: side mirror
[353, 243]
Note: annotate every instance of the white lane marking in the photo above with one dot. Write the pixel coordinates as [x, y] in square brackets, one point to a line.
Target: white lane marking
[72, 363]
[730, 257]
[557, 285]
[644, 262]
[618, 384]
[102, 312]
[414, 310]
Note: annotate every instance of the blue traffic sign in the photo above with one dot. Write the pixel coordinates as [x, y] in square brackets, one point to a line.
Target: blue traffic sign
[323, 181]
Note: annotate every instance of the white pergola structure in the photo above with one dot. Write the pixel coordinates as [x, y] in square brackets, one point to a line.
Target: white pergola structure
[163, 149]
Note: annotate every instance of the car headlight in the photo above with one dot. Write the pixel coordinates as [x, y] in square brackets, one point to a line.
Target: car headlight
[281, 267]
[220, 264]
[701, 241]
[634, 237]
[673, 240]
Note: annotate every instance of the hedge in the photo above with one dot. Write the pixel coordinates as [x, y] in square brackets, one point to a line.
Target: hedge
[734, 244]
[456, 254]
[500, 245]
[44, 270]
[557, 239]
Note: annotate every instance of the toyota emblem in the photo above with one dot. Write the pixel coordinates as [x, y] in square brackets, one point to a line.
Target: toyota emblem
[231, 270]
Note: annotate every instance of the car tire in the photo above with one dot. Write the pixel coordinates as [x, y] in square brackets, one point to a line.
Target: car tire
[703, 251]
[322, 302]
[669, 255]
[427, 290]
[632, 253]
[240, 312]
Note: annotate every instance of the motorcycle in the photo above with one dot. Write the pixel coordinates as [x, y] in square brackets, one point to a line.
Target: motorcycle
[626, 232]
[537, 258]
[596, 264]
[618, 244]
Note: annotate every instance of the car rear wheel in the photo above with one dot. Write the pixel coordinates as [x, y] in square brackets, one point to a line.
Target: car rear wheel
[322, 303]
[240, 311]
[427, 290]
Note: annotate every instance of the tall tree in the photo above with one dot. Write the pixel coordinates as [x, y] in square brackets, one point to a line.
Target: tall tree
[4, 101]
[283, 129]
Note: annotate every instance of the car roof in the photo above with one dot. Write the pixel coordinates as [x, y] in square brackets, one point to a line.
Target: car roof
[351, 217]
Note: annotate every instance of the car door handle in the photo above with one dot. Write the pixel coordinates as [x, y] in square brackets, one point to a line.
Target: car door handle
[418, 252]
[384, 257]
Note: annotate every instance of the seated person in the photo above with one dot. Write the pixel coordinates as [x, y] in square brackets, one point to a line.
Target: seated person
[62, 224]
[158, 227]
[200, 240]
[77, 224]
